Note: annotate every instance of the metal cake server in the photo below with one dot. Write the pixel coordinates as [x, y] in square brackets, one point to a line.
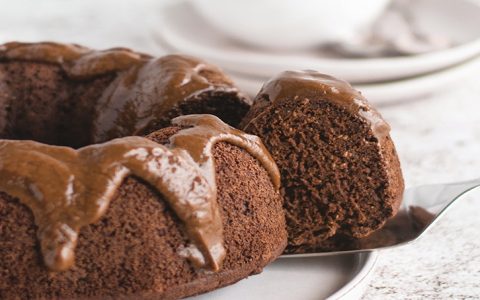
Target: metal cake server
[422, 206]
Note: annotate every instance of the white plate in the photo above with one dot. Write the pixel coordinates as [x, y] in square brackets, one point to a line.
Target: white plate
[184, 31]
[338, 277]
[393, 91]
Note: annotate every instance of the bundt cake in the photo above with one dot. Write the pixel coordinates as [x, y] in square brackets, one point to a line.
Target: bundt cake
[118, 182]
[64, 94]
[340, 172]
[187, 209]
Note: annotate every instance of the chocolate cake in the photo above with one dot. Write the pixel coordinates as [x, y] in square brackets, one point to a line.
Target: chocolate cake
[186, 210]
[98, 202]
[64, 94]
[340, 173]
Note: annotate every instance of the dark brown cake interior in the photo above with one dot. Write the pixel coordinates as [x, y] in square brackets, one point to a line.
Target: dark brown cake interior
[131, 251]
[223, 104]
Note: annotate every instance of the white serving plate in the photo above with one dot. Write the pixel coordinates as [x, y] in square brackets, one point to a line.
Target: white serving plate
[184, 31]
[337, 277]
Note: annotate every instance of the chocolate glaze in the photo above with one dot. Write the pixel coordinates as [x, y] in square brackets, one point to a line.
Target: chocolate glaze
[143, 90]
[135, 94]
[67, 189]
[78, 62]
[313, 85]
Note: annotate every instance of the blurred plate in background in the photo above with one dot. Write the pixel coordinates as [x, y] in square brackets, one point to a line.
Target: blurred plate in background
[392, 92]
[457, 20]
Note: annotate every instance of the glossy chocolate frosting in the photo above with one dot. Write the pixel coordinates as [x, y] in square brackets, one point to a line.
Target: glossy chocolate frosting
[144, 88]
[67, 189]
[314, 85]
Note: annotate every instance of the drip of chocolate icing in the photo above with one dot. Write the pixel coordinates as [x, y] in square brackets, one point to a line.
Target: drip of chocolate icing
[67, 189]
[143, 90]
[205, 130]
[313, 85]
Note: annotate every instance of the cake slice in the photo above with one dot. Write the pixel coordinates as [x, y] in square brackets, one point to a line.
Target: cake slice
[339, 168]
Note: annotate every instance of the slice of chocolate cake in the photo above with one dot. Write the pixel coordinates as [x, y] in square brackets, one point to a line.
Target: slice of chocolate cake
[340, 172]
[65, 94]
